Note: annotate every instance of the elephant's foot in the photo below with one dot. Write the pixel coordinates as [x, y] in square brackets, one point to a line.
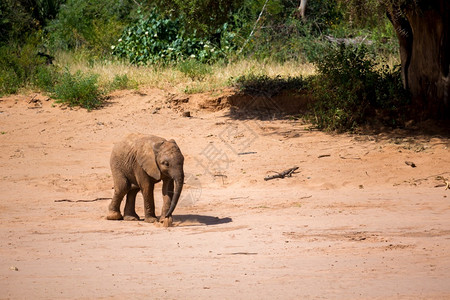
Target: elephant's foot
[150, 219]
[167, 222]
[162, 217]
[133, 217]
[114, 215]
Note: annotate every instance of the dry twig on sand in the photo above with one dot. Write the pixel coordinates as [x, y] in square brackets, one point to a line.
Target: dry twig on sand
[82, 200]
[286, 173]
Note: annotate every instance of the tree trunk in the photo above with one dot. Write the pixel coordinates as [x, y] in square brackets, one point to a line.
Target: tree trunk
[302, 9]
[422, 28]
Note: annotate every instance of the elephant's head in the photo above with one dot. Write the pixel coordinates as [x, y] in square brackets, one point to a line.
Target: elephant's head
[170, 162]
[166, 163]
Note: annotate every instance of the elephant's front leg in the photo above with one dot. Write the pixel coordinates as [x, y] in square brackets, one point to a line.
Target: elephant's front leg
[167, 191]
[149, 202]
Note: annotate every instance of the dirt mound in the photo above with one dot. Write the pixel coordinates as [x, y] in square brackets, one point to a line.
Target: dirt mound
[284, 103]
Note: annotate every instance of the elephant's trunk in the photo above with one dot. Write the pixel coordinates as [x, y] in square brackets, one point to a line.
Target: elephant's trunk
[178, 186]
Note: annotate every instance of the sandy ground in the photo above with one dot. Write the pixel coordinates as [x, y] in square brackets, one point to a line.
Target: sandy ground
[356, 221]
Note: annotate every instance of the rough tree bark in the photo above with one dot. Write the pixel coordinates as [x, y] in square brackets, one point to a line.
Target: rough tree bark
[422, 28]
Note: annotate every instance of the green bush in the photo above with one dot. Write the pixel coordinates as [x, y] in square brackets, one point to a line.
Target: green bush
[153, 39]
[194, 69]
[9, 82]
[78, 90]
[122, 82]
[18, 66]
[89, 24]
[45, 78]
[349, 90]
[202, 16]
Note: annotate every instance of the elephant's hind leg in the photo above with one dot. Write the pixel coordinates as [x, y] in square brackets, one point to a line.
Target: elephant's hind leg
[121, 187]
[129, 213]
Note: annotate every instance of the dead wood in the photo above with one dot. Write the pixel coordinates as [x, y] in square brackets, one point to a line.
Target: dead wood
[82, 200]
[286, 173]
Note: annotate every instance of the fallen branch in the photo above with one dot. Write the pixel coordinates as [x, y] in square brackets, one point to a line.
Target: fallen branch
[82, 200]
[234, 198]
[246, 153]
[343, 157]
[286, 173]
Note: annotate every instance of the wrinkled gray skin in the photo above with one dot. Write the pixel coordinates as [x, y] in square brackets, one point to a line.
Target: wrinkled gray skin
[137, 163]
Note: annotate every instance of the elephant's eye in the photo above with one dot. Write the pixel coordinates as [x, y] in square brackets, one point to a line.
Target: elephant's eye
[166, 163]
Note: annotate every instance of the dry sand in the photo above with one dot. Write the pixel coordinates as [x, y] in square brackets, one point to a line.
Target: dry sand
[356, 220]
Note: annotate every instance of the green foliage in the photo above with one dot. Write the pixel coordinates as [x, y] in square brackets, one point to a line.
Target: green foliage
[18, 66]
[45, 78]
[200, 16]
[263, 85]
[89, 24]
[281, 35]
[9, 82]
[78, 90]
[323, 15]
[363, 13]
[153, 39]
[122, 82]
[194, 69]
[350, 89]
[182, 30]
[15, 21]
[22, 19]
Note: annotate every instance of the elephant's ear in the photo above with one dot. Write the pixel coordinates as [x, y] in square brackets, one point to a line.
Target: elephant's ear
[146, 158]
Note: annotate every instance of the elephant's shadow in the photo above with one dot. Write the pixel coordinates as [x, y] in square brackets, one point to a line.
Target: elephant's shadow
[199, 220]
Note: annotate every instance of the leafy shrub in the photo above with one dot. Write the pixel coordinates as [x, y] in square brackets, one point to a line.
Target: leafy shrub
[263, 85]
[89, 24]
[18, 66]
[45, 78]
[203, 16]
[152, 39]
[349, 89]
[9, 82]
[194, 69]
[78, 90]
[122, 82]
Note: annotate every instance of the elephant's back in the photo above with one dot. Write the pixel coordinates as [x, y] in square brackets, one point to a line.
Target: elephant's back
[124, 152]
[136, 138]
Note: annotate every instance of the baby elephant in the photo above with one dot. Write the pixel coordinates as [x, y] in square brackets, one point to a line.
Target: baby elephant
[137, 163]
